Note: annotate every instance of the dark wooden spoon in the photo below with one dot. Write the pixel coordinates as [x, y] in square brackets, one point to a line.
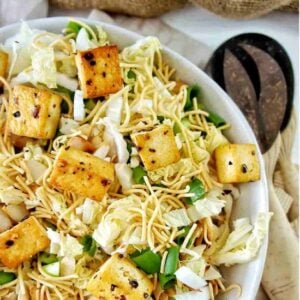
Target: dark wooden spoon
[256, 72]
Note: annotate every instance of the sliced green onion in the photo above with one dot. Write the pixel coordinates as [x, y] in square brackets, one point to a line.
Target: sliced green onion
[193, 91]
[147, 260]
[131, 75]
[47, 258]
[129, 146]
[52, 269]
[90, 104]
[61, 89]
[216, 119]
[196, 187]
[167, 281]
[172, 260]
[180, 238]
[185, 122]
[138, 174]
[73, 27]
[89, 245]
[160, 118]
[6, 277]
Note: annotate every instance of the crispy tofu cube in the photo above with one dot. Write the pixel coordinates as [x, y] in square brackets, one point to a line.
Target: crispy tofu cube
[3, 64]
[237, 163]
[82, 173]
[117, 278]
[157, 148]
[22, 242]
[99, 71]
[33, 112]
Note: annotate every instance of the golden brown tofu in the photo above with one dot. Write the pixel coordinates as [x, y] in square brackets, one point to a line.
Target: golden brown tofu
[22, 242]
[3, 64]
[237, 163]
[33, 112]
[117, 278]
[99, 71]
[82, 173]
[157, 148]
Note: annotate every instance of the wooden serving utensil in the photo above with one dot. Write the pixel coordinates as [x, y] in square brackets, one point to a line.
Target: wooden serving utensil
[257, 73]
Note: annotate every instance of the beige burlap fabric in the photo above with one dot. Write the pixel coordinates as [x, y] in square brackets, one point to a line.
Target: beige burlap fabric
[144, 8]
[244, 9]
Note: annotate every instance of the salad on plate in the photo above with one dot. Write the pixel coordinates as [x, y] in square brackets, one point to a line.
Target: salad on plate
[116, 182]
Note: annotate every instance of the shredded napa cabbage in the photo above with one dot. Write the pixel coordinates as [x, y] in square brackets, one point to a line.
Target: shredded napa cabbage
[32, 151]
[198, 266]
[143, 48]
[63, 245]
[44, 67]
[124, 174]
[20, 48]
[36, 168]
[189, 278]
[177, 218]
[214, 139]
[115, 140]
[83, 42]
[68, 66]
[113, 223]
[212, 273]
[90, 211]
[67, 266]
[68, 126]
[11, 195]
[241, 245]
[185, 163]
[211, 205]
[143, 107]
[114, 110]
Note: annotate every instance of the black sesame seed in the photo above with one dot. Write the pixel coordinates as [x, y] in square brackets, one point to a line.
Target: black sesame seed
[92, 63]
[9, 243]
[17, 114]
[146, 295]
[152, 150]
[88, 56]
[104, 74]
[230, 163]
[89, 82]
[67, 148]
[112, 287]
[244, 168]
[134, 283]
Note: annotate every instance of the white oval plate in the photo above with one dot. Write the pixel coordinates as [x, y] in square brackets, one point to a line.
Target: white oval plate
[254, 196]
